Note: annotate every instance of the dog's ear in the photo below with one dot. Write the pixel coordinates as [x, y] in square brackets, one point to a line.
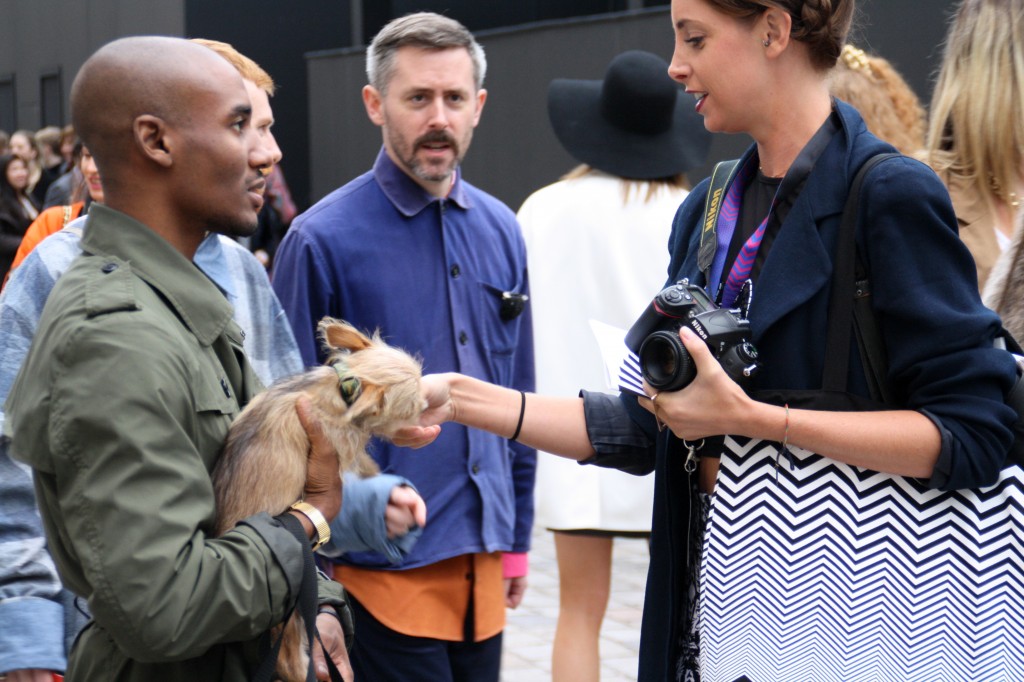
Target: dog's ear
[338, 335]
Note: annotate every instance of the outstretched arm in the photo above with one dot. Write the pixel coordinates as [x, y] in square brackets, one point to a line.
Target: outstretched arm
[552, 424]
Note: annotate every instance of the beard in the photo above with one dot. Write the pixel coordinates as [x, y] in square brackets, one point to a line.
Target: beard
[428, 172]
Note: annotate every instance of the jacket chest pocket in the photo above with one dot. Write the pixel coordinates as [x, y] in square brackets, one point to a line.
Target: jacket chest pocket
[216, 406]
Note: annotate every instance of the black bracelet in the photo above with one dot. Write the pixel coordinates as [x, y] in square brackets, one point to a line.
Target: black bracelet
[330, 610]
[522, 411]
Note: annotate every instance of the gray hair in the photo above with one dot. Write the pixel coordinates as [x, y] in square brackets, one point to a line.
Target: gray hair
[424, 30]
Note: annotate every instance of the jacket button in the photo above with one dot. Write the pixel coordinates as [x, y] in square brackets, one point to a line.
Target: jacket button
[476, 468]
[108, 268]
[456, 271]
[463, 338]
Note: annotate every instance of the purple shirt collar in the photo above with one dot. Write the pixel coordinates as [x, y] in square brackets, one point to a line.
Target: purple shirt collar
[407, 196]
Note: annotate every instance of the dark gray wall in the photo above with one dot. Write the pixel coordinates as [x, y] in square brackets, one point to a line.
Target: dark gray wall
[514, 150]
[43, 36]
[276, 35]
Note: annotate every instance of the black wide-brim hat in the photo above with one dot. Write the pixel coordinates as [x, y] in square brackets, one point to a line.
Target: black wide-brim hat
[636, 123]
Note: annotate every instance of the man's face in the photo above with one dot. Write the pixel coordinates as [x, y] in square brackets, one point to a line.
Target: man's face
[264, 146]
[428, 113]
[221, 155]
[22, 147]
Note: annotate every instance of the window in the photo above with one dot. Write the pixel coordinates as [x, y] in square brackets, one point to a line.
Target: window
[51, 99]
[8, 104]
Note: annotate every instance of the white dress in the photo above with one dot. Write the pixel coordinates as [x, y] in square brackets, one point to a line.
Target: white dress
[591, 256]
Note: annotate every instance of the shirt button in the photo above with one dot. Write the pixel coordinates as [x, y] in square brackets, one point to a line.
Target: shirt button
[463, 338]
[108, 268]
[476, 468]
[456, 271]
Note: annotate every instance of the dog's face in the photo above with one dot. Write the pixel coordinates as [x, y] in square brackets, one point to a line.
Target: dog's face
[377, 383]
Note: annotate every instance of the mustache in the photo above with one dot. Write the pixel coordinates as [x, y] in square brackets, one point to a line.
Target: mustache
[436, 136]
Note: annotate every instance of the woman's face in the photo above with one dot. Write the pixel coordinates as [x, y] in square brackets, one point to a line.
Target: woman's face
[91, 174]
[17, 175]
[22, 148]
[717, 58]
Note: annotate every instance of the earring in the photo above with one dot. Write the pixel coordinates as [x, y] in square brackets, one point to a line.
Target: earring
[766, 42]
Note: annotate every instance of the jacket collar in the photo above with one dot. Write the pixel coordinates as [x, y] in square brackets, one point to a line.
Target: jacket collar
[799, 245]
[198, 303]
[407, 196]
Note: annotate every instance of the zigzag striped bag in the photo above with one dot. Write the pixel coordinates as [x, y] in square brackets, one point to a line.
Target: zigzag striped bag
[816, 570]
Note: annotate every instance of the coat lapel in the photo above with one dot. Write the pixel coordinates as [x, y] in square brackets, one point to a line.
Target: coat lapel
[799, 265]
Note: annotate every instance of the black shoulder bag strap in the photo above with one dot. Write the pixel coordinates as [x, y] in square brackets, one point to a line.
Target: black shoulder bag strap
[854, 302]
[850, 303]
[306, 604]
[720, 178]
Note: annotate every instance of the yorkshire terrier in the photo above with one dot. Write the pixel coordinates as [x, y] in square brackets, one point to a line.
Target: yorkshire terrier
[365, 388]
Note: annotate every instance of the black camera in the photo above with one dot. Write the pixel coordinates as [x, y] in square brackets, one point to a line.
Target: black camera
[665, 363]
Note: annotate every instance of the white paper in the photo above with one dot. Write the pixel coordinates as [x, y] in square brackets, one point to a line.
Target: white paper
[621, 366]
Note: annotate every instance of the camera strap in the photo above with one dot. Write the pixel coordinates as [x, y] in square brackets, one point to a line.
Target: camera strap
[721, 176]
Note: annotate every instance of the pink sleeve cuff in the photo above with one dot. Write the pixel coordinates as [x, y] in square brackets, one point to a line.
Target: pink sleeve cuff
[515, 564]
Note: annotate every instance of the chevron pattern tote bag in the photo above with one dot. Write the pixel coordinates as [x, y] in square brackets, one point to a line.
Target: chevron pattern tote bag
[815, 570]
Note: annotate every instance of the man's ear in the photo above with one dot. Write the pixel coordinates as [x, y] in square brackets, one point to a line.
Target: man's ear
[372, 100]
[151, 136]
[481, 97]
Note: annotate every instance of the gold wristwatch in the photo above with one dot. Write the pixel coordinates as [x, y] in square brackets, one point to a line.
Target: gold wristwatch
[323, 531]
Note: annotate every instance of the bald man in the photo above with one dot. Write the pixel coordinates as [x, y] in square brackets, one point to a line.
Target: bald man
[136, 373]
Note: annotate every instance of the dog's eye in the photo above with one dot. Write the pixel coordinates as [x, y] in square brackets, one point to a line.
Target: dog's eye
[350, 388]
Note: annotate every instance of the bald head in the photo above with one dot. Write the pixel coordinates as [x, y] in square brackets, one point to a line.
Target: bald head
[137, 76]
[169, 125]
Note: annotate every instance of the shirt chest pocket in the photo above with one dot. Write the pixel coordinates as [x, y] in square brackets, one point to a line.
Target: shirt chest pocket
[503, 309]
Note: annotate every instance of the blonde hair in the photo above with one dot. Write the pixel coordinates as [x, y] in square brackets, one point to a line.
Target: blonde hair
[632, 186]
[247, 68]
[976, 131]
[889, 106]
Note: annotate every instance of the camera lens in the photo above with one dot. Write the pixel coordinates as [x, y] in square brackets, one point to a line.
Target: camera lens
[665, 362]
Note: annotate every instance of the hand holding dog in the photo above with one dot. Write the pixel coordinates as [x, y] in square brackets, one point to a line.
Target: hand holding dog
[323, 478]
[712, 405]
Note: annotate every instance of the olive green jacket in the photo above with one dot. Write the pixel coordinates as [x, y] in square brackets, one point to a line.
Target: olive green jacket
[121, 408]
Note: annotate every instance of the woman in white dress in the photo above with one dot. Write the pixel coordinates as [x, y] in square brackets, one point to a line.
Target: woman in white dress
[597, 251]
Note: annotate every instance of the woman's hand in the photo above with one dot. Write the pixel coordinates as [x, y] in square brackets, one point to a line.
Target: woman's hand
[712, 405]
[436, 392]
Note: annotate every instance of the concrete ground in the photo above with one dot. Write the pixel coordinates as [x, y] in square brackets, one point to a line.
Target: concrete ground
[531, 628]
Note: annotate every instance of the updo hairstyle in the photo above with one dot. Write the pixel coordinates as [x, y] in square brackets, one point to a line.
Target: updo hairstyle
[821, 25]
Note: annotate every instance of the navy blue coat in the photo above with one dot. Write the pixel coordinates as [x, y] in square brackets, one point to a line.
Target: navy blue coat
[937, 333]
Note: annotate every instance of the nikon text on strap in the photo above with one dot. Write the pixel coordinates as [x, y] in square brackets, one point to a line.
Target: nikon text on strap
[721, 176]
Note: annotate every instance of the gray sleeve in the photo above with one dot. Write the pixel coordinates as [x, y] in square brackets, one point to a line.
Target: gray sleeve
[619, 440]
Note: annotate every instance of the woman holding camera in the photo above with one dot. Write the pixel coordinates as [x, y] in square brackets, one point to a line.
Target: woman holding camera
[760, 67]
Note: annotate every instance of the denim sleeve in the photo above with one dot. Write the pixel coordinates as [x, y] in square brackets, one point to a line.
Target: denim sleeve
[360, 525]
[30, 588]
[619, 441]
